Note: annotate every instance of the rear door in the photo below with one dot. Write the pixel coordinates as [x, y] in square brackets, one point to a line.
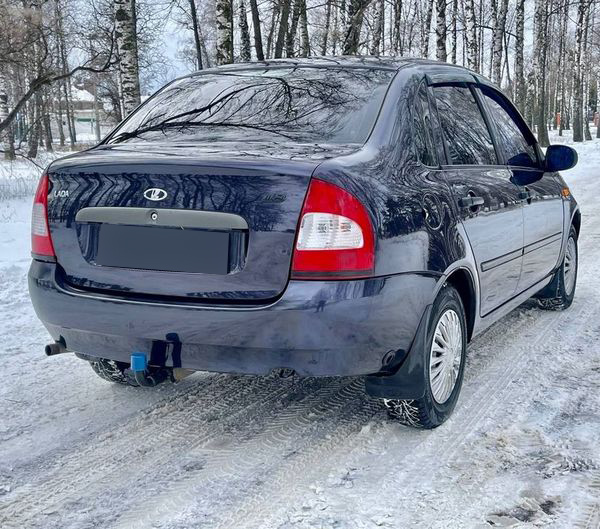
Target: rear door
[487, 200]
[541, 193]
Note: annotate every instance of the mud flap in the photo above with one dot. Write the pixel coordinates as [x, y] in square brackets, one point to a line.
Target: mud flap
[408, 383]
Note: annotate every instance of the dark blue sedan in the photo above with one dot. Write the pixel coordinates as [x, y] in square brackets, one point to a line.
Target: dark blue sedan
[325, 217]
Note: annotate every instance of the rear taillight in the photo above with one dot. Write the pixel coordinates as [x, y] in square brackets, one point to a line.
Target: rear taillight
[41, 242]
[335, 239]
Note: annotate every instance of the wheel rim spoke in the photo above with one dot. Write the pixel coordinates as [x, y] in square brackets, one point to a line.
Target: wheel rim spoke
[445, 356]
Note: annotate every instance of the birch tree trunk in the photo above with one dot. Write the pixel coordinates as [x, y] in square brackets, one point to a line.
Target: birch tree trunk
[454, 30]
[7, 136]
[520, 92]
[378, 28]
[293, 30]
[224, 18]
[540, 52]
[65, 85]
[326, 29]
[245, 53]
[577, 79]
[45, 125]
[126, 38]
[304, 38]
[587, 134]
[426, 30]
[440, 30]
[397, 43]
[498, 39]
[356, 15]
[258, 45]
[471, 35]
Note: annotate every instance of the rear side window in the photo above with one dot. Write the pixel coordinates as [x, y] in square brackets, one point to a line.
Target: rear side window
[467, 137]
[422, 128]
[511, 136]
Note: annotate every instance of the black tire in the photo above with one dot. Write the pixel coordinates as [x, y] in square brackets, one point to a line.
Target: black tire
[556, 295]
[426, 412]
[112, 371]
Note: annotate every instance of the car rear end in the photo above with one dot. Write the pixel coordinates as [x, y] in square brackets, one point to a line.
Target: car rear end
[208, 259]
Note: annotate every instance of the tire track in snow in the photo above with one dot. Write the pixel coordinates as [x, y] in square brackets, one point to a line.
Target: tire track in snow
[590, 516]
[330, 415]
[417, 447]
[275, 507]
[85, 472]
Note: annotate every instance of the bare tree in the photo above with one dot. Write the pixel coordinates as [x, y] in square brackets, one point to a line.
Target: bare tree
[378, 28]
[426, 30]
[327, 27]
[283, 28]
[471, 34]
[197, 36]
[304, 37]
[540, 52]
[520, 93]
[582, 8]
[7, 137]
[244, 33]
[224, 20]
[258, 44]
[454, 25]
[126, 38]
[499, 11]
[440, 30]
[356, 14]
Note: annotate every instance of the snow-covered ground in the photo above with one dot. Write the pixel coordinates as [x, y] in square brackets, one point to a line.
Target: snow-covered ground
[522, 448]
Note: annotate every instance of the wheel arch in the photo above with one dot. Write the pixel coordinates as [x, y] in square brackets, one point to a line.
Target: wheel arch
[576, 221]
[462, 280]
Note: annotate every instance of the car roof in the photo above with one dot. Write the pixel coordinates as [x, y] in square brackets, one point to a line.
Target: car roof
[346, 61]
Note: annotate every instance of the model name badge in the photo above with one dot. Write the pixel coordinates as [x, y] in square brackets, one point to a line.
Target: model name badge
[155, 194]
[61, 193]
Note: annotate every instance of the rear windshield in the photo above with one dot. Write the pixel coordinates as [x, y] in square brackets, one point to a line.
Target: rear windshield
[307, 105]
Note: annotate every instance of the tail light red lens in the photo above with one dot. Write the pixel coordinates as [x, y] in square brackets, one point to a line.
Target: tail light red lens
[335, 239]
[41, 242]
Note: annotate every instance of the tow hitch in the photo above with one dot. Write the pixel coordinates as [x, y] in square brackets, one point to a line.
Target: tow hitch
[142, 375]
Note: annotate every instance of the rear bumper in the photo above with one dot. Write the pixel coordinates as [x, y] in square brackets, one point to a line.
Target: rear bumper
[317, 328]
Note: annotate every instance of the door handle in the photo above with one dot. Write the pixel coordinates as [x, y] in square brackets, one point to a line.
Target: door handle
[471, 201]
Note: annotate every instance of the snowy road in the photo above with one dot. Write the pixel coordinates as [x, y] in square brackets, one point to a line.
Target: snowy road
[216, 451]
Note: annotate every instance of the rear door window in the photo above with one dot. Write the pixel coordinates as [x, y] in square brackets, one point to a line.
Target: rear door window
[511, 131]
[468, 139]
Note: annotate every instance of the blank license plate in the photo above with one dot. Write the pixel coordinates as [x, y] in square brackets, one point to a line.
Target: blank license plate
[163, 248]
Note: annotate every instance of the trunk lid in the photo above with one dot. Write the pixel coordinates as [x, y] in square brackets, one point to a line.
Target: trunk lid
[179, 222]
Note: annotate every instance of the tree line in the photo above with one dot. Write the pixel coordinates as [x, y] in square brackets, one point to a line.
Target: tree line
[543, 53]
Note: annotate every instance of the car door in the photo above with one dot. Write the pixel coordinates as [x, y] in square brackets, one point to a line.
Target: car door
[541, 192]
[487, 200]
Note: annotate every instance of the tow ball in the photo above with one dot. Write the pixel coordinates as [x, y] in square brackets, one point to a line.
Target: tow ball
[142, 375]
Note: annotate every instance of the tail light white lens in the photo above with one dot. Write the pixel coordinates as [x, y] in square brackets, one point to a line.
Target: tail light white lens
[326, 231]
[335, 239]
[41, 242]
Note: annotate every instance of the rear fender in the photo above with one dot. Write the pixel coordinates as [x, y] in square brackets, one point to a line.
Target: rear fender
[408, 382]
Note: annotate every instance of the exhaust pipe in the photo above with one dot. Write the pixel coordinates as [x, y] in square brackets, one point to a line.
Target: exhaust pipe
[55, 348]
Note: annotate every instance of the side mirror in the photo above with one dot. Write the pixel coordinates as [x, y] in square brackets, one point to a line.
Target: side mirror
[560, 158]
